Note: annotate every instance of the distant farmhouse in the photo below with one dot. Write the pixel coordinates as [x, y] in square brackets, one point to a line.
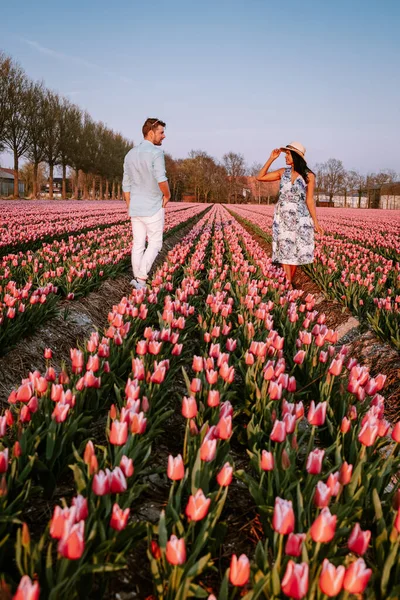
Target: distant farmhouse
[7, 183]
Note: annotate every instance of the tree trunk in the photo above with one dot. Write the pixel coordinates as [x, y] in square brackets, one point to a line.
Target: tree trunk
[113, 190]
[64, 181]
[51, 169]
[100, 188]
[76, 188]
[119, 192]
[16, 188]
[94, 188]
[35, 180]
[85, 187]
[107, 190]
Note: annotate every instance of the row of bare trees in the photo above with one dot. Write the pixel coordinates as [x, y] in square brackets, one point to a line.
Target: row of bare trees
[205, 178]
[332, 179]
[44, 127]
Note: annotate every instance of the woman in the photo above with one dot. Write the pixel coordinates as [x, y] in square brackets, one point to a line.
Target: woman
[295, 214]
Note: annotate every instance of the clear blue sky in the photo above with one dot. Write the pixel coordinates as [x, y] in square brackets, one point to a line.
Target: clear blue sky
[240, 75]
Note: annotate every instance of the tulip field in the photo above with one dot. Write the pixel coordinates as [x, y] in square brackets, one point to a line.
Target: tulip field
[64, 254]
[220, 361]
[357, 261]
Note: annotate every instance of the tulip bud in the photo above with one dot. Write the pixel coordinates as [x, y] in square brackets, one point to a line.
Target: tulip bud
[283, 518]
[324, 526]
[239, 572]
[27, 590]
[331, 579]
[359, 540]
[118, 433]
[295, 580]
[189, 407]
[356, 577]
[314, 461]
[72, 544]
[267, 461]
[176, 551]
[294, 544]
[119, 518]
[317, 414]
[176, 468]
[208, 450]
[197, 507]
[224, 477]
[322, 495]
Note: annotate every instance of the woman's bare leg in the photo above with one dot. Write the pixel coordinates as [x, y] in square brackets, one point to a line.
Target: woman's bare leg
[288, 272]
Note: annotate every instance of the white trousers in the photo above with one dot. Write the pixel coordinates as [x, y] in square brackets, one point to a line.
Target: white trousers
[151, 228]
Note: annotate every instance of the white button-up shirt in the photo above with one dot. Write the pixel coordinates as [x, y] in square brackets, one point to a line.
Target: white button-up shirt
[144, 169]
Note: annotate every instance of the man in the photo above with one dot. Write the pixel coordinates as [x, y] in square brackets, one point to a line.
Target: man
[146, 193]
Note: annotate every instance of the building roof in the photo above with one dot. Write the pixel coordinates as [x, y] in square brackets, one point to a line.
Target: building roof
[6, 173]
[261, 188]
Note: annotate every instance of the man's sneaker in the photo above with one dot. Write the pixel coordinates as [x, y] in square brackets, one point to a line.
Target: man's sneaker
[137, 284]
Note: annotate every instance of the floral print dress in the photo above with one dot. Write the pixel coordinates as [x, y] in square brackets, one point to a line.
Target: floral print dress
[292, 227]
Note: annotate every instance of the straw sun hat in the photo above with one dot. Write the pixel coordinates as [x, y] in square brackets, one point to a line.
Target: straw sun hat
[295, 147]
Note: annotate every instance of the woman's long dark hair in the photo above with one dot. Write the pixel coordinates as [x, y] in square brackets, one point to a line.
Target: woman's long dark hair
[300, 166]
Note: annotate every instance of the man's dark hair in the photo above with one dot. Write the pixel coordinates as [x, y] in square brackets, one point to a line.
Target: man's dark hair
[150, 124]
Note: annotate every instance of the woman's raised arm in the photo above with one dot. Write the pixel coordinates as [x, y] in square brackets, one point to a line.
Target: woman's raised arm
[274, 175]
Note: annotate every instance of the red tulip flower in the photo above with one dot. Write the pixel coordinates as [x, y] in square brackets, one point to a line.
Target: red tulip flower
[356, 577]
[322, 495]
[72, 544]
[278, 433]
[317, 414]
[118, 433]
[336, 367]
[101, 484]
[77, 360]
[197, 364]
[283, 519]
[138, 423]
[189, 407]
[396, 432]
[208, 450]
[62, 518]
[314, 461]
[324, 527]
[119, 518]
[345, 473]
[267, 461]
[176, 551]
[331, 579]
[368, 434]
[295, 580]
[126, 466]
[198, 506]
[117, 481]
[294, 544]
[27, 590]
[224, 477]
[359, 540]
[81, 505]
[397, 521]
[213, 398]
[299, 357]
[224, 428]
[239, 572]
[176, 468]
